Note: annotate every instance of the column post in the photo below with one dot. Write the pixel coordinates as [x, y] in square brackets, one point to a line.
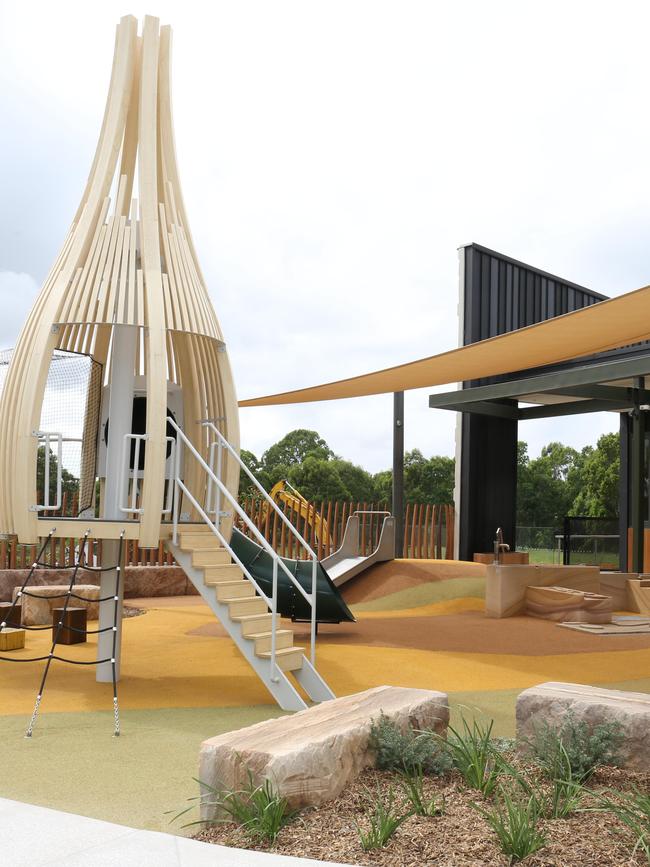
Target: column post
[120, 412]
[398, 471]
[638, 477]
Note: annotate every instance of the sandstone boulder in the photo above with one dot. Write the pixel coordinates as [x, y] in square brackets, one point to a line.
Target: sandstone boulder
[37, 607]
[310, 756]
[549, 703]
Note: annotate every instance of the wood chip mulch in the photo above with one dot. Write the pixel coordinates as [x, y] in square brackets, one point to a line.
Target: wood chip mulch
[459, 838]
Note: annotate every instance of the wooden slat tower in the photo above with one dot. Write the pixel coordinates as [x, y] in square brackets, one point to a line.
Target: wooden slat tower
[126, 289]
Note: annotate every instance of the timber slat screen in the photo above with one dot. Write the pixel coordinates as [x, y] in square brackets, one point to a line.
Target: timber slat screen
[428, 534]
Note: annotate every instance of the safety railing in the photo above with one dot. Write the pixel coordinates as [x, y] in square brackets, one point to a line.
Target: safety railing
[213, 504]
[129, 501]
[45, 438]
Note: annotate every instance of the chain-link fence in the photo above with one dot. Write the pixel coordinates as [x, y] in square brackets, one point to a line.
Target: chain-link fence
[540, 543]
[580, 540]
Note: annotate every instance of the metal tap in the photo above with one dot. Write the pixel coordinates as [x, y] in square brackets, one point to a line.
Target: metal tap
[499, 546]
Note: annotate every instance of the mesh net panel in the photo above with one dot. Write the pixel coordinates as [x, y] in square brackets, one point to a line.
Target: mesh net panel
[71, 407]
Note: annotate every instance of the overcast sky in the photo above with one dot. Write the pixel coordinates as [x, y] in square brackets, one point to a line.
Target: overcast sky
[333, 156]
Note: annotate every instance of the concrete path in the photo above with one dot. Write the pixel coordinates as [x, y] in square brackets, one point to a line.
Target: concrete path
[36, 836]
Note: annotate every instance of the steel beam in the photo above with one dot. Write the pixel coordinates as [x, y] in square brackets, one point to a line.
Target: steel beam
[573, 407]
[593, 374]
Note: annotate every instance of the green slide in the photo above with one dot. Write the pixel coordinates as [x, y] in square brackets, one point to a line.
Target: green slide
[330, 606]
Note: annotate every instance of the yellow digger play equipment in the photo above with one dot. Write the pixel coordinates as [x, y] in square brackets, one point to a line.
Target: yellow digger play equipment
[284, 492]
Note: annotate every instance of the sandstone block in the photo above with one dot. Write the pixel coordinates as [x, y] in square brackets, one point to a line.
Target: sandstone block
[563, 604]
[614, 585]
[310, 756]
[549, 702]
[505, 586]
[37, 608]
[139, 581]
[142, 581]
[639, 594]
[12, 578]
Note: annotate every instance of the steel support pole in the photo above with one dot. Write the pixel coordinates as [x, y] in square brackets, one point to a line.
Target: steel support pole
[120, 412]
[398, 471]
[637, 477]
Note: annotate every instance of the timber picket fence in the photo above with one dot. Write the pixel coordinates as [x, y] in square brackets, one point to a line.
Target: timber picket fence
[428, 528]
[428, 533]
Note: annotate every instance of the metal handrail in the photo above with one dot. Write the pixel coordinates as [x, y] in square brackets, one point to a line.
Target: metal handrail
[125, 475]
[277, 560]
[47, 437]
[264, 493]
[372, 512]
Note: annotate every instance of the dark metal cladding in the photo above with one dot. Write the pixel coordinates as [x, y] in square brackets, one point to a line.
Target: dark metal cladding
[498, 295]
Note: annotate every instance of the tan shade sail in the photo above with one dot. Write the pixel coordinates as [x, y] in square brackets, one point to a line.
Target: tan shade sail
[606, 325]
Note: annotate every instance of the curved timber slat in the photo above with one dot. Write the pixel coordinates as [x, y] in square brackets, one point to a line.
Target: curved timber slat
[126, 262]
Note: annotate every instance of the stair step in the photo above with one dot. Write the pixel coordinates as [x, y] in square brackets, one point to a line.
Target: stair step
[283, 639]
[288, 659]
[190, 541]
[199, 534]
[238, 607]
[227, 572]
[202, 557]
[229, 590]
[251, 624]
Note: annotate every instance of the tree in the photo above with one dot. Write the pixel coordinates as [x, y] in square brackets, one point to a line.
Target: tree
[428, 480]
[543, 495]
[383, 484]
[69, 483]
[358, 483]
[563, 481]
[246, 487]
[305, 459]
[599, 479]
[294, 448]
[317, 479]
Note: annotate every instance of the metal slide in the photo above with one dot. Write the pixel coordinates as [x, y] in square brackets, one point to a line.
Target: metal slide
[348, 560]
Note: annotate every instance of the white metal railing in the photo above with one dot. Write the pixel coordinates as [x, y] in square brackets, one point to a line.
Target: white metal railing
[213, 504]
[46, 437]
[129, 501]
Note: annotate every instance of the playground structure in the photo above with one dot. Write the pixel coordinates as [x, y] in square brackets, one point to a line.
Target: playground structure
[284, 492]
[348, 561]
[160, 416]
[160, 424]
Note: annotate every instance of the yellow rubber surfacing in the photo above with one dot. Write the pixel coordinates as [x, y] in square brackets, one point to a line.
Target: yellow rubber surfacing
[164, 667]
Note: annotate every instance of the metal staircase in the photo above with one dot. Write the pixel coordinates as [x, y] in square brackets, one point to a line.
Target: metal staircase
[245, 611]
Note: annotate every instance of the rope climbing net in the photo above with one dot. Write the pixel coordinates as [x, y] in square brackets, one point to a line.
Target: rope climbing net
[79, 564]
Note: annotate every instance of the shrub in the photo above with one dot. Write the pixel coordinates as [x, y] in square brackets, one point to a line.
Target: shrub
[384, 821]
[412, 782]
[474, 754]
[398, 751]
[576, 745]
[564, 797]
[258, 810]
[514, 821]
